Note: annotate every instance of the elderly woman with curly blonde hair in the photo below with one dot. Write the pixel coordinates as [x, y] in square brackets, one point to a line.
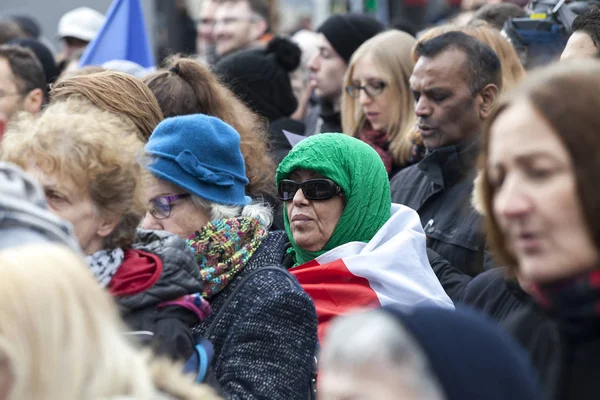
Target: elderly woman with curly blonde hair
[86, 161]
[63, 339]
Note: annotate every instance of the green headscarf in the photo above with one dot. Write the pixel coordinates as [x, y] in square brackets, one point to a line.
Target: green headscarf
[359, 171]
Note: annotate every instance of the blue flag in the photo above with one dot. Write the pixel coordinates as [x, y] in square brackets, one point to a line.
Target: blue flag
[122, 37]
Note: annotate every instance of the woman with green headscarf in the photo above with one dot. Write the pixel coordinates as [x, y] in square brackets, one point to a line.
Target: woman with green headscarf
[350, 246]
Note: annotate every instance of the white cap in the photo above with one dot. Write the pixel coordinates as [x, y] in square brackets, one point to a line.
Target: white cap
[82, 23]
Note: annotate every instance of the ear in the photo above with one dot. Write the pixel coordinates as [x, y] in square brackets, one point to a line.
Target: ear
[33, 101]
[259, 28]
[107, 226]
[487, 100]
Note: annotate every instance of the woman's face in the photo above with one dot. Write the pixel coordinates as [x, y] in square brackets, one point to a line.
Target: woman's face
[66, 201]
[377, 109]
[312, 222]
[184, 218]
[535, 197]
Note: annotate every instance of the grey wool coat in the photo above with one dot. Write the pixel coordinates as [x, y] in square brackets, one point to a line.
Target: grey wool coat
[266, 338]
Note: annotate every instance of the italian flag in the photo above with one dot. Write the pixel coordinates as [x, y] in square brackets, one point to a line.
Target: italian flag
[392, 268]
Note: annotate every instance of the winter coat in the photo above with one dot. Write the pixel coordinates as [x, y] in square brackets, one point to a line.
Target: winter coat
[330, 120]
[566, 353]
[266, 338]
[439, 188]
[159, 268]
[279, 144]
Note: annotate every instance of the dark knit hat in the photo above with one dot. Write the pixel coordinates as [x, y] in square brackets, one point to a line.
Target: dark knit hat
[43, 54]
[261, 77]
[346, 32]
[202, 155]
[470, 355]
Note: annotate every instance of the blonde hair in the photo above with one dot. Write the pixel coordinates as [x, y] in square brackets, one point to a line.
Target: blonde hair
[117, 92]
[92, 148]
[512, 70]
[391, 51]
[63, 339]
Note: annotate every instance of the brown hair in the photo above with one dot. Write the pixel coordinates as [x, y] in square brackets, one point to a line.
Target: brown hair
[566, 96]
[10, 30]
[115, 92]
[266, 9]
[26, 68]
[90, 147]
[188, 87]
[512, 70]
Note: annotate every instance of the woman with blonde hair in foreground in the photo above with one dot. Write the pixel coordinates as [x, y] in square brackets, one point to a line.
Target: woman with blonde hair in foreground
[63, 339]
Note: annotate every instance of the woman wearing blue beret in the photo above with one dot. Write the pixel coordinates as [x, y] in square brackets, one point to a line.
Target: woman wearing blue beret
[263, 326]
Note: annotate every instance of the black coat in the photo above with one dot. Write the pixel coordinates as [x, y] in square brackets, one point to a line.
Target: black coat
[167, 329]
[266, 340]
[566, 353]
[495, 295]
[439, 188]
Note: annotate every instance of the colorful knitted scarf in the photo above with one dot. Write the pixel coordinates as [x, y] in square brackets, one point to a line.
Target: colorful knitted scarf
[222, 249]
[572, 299]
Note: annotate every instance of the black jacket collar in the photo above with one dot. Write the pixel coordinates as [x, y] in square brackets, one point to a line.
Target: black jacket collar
[448, 165]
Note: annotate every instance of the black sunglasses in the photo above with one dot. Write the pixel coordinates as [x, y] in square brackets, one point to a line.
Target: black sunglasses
[313, 189]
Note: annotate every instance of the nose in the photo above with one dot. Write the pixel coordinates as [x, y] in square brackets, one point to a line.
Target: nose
[149, 222]
[511, 201]
[313, 63]
[299, 199]
[363, 98]
[423, 108]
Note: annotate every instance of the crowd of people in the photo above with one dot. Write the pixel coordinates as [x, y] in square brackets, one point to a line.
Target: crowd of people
[358, 212]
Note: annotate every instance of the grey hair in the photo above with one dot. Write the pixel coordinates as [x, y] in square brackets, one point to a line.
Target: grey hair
[374, 337]
[261, 211]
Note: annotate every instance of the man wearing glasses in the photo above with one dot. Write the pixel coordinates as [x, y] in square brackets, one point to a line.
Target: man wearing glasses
[241, 24]
[22, 82]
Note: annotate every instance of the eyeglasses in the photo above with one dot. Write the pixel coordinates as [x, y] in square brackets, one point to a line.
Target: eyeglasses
[313, 189]
[160, 206]
[372, 89]
[233, 20]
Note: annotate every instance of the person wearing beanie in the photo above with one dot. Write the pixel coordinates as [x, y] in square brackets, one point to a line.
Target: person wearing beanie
[263, 326]
[429, 354]
[340, 35]
[260, 78]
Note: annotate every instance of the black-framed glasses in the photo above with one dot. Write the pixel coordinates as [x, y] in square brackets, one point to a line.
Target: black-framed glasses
[372, 89]
[160, 206]
[313, 189]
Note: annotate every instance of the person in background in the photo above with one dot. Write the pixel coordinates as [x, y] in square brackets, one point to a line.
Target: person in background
[76, 29]
[263, 326]
[339, 37]
[9, 30]
[430, 354]
[205, 38]
[86, 160]
[22, 81]
[44, 55]
[350, 246]
[119, 93]
[541, 196]
[241, 24]
[31, 28]
[585, 39]
[260, 78]
[496, 14]
[455, 83]
[186, 87]
[69, 321]
[300, 79]
[377, 105]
